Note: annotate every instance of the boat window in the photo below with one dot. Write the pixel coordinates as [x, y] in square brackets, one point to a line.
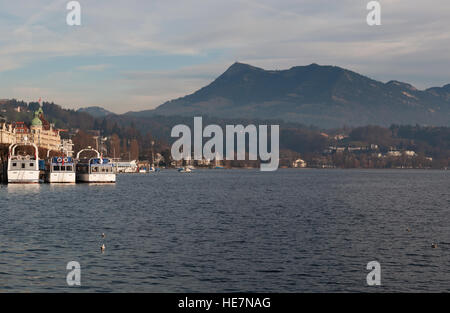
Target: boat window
[14, 164]
[55, 168]
[31, 164]
[23, 165]
[94, 169]
[63, 168]
[69, 168]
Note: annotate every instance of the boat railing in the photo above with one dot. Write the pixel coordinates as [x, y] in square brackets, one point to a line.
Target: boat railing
[85, 150]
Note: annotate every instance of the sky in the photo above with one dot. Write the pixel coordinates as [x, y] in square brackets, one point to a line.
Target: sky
[133, 55]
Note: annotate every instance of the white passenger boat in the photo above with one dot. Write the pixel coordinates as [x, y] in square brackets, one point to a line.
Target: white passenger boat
[94, 170]
[23, 169]
[60, 170]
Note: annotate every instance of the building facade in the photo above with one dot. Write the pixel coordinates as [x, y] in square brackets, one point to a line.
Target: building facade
[40, 132]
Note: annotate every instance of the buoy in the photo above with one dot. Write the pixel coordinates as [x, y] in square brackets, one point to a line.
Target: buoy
[434, 245]
[408, 230]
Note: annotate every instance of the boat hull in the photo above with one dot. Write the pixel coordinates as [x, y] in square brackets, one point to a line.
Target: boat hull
[23, 177]
[61, 178]
[96, 178]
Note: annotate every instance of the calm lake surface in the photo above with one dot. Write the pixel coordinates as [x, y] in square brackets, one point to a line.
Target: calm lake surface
[229, 231]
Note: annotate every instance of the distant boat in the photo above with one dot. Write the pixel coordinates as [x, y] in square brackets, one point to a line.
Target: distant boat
[23, 169]
[184, 170]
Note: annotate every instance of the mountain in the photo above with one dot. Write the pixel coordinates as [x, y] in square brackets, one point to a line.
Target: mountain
[325, 96]
[95, 111]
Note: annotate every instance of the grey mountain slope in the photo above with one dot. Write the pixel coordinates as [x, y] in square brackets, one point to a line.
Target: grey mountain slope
[326, 96]
[95, 111]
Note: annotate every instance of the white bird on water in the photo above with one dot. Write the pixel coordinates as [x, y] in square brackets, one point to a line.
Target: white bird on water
[103, 247]
[103, 235]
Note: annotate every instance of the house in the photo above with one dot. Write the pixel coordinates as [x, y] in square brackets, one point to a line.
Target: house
[394, 153]
[299, 163]
[339, 137]
[409, 153]
[126, 166]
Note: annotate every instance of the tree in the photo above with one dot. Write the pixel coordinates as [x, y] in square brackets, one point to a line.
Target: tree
[134, 149]
[114, 146]
[82, 140]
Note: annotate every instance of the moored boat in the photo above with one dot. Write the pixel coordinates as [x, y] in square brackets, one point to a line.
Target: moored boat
[60, 170]
[23, 169]
[94, 170]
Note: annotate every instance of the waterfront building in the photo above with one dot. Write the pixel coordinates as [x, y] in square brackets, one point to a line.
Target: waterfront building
[394, 153]
[409, 153]
[126, 166]
[7, 133]
[299, 163]
[44, 134]
[40, 132]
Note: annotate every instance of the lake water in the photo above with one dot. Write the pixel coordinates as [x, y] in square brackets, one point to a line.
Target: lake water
[229, 231]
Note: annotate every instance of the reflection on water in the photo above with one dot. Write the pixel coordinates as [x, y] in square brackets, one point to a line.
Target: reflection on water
[230, 230]
[23, 188]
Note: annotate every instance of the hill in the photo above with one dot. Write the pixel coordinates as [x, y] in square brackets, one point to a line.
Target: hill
[95, 111]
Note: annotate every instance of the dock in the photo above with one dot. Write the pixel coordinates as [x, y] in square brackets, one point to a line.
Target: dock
[3, 171]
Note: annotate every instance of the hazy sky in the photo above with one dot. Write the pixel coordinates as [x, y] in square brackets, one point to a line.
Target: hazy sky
[133, 55]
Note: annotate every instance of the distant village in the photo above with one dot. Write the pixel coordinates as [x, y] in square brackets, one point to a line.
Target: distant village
[364, 147]
[48, 138]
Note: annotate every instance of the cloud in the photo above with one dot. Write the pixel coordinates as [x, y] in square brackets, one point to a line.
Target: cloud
[94, 67]
[411, 45]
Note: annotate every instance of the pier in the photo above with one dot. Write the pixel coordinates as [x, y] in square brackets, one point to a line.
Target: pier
[3, 171]
[3, 164]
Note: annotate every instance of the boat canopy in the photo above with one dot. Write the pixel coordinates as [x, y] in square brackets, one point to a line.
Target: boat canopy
[61, 160]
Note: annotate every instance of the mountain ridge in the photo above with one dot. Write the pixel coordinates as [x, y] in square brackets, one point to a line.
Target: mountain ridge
[321, 95]
[96, 111]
